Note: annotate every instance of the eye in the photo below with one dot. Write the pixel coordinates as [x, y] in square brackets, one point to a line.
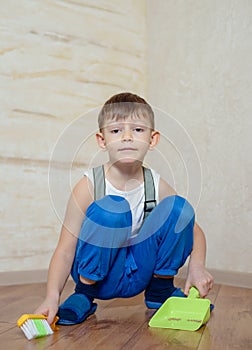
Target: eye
[115, 131]
[139, 129]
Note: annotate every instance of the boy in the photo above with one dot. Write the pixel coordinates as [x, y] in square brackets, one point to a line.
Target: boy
[113, 245]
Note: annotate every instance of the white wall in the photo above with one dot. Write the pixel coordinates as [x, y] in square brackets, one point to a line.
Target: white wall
[199, 72]
[58, 60]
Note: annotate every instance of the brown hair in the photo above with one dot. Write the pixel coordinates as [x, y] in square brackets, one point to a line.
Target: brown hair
[124, 105]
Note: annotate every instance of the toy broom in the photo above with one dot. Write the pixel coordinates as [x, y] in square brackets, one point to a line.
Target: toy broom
[36, 326]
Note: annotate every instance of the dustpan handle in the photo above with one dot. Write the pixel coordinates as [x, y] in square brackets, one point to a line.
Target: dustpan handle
[193, 293]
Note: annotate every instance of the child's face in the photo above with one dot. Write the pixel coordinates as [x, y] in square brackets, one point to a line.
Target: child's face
[127, 141]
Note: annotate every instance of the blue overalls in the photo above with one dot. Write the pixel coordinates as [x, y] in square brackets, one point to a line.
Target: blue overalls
[121, 264]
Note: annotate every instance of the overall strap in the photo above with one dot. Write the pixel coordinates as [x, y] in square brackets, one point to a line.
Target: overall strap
[99, 182]
[149, 188]
[149, 191]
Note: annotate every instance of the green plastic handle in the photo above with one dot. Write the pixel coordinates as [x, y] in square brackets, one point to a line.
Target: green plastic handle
[193, 293]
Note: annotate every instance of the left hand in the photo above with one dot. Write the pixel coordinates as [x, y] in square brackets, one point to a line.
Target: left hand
[200, 278]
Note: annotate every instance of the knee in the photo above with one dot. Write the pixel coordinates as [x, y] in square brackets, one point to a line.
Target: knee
[186, 214]
[110, 211]
[107, 223]
[182, 210]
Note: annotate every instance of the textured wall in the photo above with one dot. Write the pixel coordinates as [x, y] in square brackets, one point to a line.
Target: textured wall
[199, 71]
[58, 59]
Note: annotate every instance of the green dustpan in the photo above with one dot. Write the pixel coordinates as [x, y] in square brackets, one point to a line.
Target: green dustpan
[182, 313]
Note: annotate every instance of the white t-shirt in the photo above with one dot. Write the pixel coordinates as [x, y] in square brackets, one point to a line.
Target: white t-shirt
[135, 197]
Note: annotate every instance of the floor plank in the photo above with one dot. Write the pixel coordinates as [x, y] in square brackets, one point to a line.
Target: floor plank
[122, 324]
[231, 324]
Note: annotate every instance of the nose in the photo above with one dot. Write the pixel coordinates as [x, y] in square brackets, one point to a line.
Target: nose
[127, 135]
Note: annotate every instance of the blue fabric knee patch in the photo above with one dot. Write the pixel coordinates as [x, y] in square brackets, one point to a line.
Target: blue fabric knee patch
[110, 211]
[108, 223]
[186, 215]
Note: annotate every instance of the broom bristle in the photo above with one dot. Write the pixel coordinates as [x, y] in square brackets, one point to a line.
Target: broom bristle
[35, 326]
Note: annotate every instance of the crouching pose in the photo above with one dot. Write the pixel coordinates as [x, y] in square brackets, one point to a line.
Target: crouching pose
[126, 230]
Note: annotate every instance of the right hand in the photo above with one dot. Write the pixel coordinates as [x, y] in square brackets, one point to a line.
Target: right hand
[48, 308]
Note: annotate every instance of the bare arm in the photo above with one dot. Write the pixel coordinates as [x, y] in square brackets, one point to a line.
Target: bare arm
[165, 190]
[197, 274]
[62, 259]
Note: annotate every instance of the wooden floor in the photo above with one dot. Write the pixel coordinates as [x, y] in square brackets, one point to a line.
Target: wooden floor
[123, 324]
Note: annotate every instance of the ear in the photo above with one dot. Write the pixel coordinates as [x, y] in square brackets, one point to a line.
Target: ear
[101, 140]
[154, 140]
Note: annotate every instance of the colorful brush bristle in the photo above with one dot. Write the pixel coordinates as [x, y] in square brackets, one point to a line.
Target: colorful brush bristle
[36, 326]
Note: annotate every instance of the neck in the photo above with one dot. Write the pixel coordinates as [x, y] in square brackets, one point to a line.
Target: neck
[124, 176]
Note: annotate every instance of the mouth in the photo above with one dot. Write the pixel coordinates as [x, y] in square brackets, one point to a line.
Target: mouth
[127, 149]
